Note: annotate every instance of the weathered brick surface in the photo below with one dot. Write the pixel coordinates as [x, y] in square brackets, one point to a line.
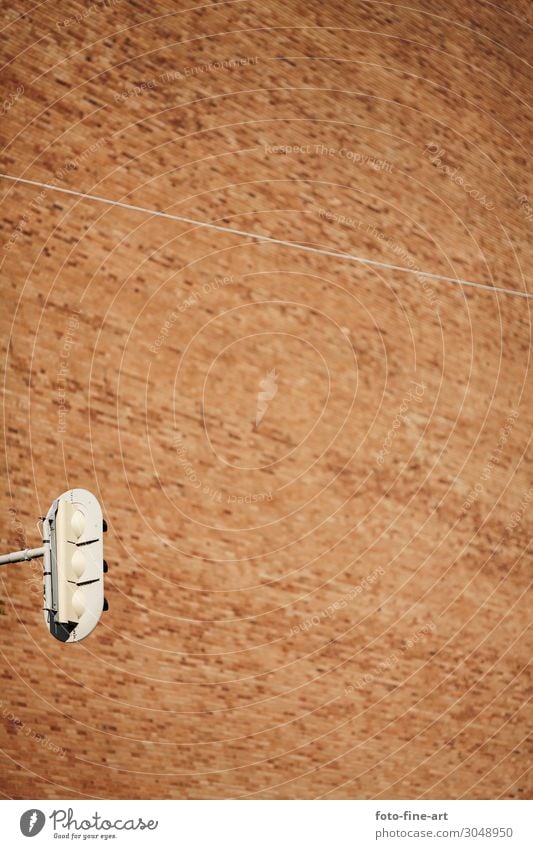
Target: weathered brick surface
[329, 601]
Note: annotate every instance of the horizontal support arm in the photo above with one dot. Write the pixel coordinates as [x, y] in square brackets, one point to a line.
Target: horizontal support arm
[18, 556]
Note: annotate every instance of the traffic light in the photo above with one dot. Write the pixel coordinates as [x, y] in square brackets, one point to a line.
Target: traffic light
[74, 565]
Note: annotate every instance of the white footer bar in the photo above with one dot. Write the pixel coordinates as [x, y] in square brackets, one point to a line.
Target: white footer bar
[269, 824]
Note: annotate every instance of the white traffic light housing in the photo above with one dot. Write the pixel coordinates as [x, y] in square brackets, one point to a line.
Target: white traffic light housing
[74, 565]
